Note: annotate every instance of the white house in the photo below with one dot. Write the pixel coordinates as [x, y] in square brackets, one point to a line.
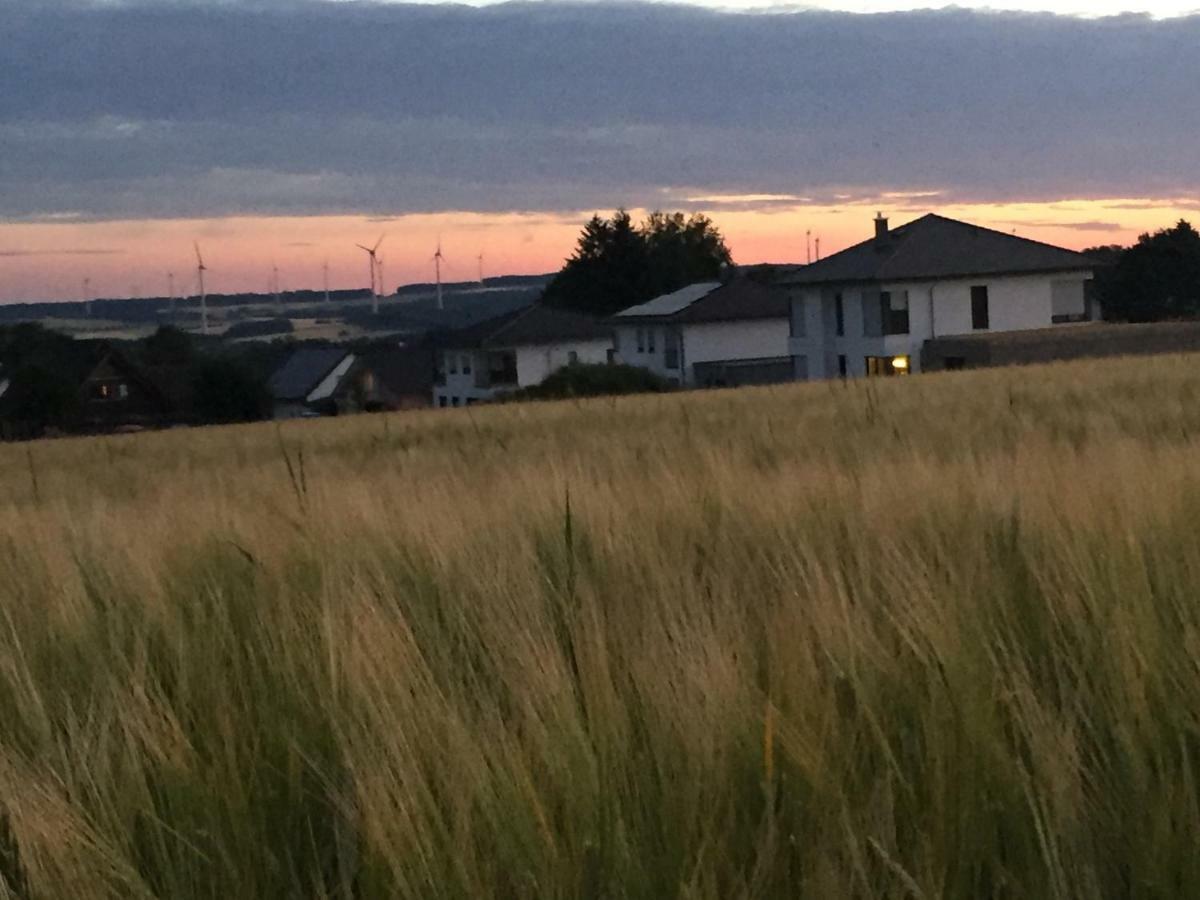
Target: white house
[516, 350]
[870, 309]
[709, 334]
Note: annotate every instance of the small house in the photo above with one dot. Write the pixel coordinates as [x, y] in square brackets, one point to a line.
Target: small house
[518, 349]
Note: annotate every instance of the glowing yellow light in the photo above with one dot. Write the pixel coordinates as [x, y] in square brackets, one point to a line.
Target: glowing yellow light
[900, 363]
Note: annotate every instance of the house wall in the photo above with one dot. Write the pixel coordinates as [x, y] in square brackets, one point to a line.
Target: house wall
[702, 343]
[458, 384]
[627, 349]
[939, 308]
[536, 363]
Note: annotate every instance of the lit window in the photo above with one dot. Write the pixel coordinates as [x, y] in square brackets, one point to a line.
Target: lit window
[123, 391]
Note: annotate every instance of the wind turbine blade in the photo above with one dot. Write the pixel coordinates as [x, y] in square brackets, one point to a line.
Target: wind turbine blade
[378, 242]
[199, 258]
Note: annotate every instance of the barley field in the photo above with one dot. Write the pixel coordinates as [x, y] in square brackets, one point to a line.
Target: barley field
[935, 637]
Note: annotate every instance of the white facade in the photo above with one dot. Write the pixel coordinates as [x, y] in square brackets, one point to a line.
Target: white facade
[671, 350]
[469, 376]
[934, 309]
[535, 363]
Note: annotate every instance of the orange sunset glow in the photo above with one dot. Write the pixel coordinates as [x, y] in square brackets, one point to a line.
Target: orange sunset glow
[49, 260]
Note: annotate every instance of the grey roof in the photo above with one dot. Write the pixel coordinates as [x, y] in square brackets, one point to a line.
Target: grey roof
[668, 304]
[303, 371]
[534, 325]
[934, 246]
[741, 298]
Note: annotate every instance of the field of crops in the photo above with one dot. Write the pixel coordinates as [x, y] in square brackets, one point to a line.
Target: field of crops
[917, 638]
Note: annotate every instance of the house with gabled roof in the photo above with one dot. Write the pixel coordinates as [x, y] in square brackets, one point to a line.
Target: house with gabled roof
[871, 309]
[710, 334]
[66, 386]
[515, 350]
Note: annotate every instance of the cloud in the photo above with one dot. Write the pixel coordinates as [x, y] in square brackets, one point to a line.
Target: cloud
[164, 109]
[13, 254]
[1093, 225]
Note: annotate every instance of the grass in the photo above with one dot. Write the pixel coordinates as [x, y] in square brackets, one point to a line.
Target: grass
[917, 638]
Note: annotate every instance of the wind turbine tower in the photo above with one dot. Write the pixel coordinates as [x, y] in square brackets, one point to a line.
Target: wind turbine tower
[382, 289]
[325, 273]
[200, 270]
[370, 251]
[275, 288]
[437, 269]
[481, 268]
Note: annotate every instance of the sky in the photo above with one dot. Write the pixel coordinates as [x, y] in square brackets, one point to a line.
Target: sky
[283, 132]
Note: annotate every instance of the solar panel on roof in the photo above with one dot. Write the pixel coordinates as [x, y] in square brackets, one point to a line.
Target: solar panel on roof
[669, 304]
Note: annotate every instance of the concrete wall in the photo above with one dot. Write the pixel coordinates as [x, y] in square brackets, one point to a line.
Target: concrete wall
[1061, 343]
[1015, 303]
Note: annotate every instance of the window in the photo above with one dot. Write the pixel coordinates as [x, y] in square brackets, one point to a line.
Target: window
[123, 391]
[893, 311]
[979, 307]
[466, 364]
[671, 350]
[650, 339]
[839, 316]
[442, 400]
[641, 340]
[887, 365]
[572, 357]
[798, 323]
[454, 401]
[954, 363]
[1068, 301]
[842, 365]
[452, 363]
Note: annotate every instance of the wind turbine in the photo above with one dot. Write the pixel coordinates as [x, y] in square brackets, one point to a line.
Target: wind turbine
[325, 272]
[437, 268]
[275, 288]
[481, 268]
[382, 289]
[371, 263]
[201, 268]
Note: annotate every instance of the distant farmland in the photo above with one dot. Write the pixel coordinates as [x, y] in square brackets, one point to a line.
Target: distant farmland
[906, 638]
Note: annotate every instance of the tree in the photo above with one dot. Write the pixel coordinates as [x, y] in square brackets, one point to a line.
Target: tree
[617, 264]
[227, 390]
[1156, 278]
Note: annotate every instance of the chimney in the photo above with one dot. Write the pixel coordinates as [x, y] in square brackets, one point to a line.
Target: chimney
[881, 229]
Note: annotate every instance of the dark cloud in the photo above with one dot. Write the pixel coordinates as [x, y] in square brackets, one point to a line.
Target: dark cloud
[175, 108]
